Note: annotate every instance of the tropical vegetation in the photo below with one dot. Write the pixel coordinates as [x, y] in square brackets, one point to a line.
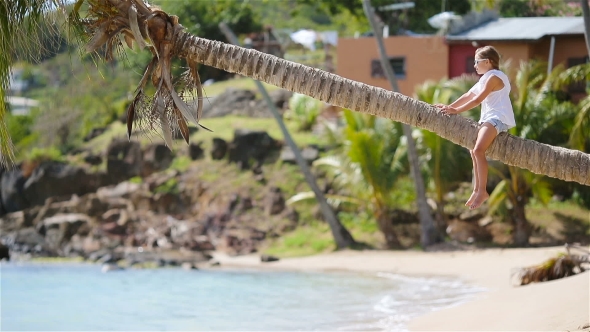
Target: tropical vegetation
[368, 163]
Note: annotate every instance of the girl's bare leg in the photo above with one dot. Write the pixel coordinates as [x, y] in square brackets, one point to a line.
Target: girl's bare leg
[486, 135]
[475, 180]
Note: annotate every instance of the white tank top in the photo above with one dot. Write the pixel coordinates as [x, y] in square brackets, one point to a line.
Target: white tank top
[497, 104]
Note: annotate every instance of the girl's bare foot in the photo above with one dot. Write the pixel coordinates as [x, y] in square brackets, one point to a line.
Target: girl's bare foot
[479, 199]
[471, 198]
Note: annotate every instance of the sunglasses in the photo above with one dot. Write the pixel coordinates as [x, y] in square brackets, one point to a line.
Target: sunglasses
[477, 61]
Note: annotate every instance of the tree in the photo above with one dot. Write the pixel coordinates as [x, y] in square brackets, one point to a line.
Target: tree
[429, 234]
[138, 23]
[541, 115]
[586, 15]
[448, 164]
[414, 19]
[368, 169]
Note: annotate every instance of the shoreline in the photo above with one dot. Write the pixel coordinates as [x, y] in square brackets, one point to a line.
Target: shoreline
[559, 305]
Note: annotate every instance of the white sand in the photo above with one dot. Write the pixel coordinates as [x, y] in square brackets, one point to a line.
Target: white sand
[560, 305]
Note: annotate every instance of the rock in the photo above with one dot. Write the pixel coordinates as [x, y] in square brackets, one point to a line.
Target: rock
[2, 209]
[95, 132]
[112, 228]
[188, 266]
[463, 231]
[195, 151]
[23, 240]
[244, 102]
[60, 228]
[123, 160]
[268, 258]
[231, 101]
[48, 179]
[156, 157]
[274, 202]
[247, 145]
[110, 267]
[219, 149]
[4, 252]
[485, 221]
[309, 154]
[214, 263]
[11, 190]
[123, 189]
[93, 159]
[470, 215]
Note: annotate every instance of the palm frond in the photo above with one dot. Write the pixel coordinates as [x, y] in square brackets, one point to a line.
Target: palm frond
[581, 128]
[561, 266]
[19, 22]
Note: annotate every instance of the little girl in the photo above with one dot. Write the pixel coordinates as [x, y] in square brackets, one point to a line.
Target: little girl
[492, 91]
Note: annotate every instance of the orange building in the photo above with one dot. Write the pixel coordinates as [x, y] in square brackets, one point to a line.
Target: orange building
[415, 59]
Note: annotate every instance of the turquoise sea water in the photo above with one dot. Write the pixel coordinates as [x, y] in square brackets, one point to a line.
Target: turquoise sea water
[49, 297]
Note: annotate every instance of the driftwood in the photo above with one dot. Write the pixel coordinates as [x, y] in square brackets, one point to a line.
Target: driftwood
[561, 266]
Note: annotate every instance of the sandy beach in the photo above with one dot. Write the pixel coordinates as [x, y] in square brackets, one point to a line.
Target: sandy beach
[560, 305]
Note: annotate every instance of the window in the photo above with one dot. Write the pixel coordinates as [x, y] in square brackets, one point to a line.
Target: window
[579, 87]
[397, 63]
[469, 68]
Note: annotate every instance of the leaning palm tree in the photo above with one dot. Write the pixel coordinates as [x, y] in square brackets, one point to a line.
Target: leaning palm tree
[110, 23]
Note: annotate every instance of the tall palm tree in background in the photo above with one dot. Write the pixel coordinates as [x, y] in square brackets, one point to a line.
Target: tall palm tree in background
[112, 22]
[447, 163]
[429, 234]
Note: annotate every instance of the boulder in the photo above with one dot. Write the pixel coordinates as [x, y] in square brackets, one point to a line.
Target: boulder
[56, 179]
[268, 258]
[4, 252]
[231, 101]
[123, 160]
[468, 232]
[247, 145]
[309, 154]
[156, 157]
[243, 102]
[60, 228]
[195, 151]
[95, 132]
[93, 159]
[12, 191]
[219, 149]
[274, 202]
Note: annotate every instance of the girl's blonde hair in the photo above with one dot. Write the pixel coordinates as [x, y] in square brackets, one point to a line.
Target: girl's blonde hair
[490, 53]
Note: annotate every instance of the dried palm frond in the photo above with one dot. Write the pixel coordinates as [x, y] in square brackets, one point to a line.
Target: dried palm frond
[115, 23]
[561, 266]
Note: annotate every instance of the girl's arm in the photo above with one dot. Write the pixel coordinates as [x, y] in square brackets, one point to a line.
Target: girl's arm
[494, 83]
[462, 100]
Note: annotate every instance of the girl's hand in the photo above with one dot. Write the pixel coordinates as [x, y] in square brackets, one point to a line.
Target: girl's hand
[446, 110]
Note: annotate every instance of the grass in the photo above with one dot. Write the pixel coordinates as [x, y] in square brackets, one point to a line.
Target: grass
[56, 260]
[561, 221]
[218, 88]
[306, 240]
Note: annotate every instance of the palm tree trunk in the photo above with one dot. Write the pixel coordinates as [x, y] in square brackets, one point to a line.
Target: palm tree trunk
[386, 227]
[428, 235]
[586, 15]
[557, 162]
[522, 228]
[341, 235]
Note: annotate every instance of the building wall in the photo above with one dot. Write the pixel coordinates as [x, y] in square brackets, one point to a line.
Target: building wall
[510, 52]
[461, 59]
[425, 58]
